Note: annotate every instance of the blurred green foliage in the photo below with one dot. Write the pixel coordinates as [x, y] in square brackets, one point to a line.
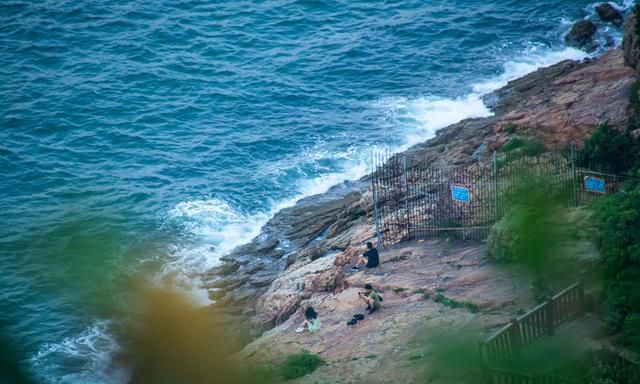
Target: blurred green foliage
[619, 244]
[614, 150]
[299, 365]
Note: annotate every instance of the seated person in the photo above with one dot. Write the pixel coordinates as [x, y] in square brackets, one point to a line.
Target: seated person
[312, 321]
[370, 258]
[371, 297]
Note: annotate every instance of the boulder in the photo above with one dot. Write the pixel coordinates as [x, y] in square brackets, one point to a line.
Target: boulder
[609, 14]
[581, 35]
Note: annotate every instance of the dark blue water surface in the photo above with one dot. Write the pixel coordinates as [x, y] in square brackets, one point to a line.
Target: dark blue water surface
[150, 138]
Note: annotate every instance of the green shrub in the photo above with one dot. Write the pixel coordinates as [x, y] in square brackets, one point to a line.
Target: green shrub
[299, 365]
[523, 146]
[609, 149]
[619, 244]
[631, 331]
[510, 127]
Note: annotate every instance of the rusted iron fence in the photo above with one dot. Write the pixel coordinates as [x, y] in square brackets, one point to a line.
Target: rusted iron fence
[420, 201]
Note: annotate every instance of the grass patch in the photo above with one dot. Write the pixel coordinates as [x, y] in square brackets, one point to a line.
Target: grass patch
[447, 302]
[399, 289]
[299, 365]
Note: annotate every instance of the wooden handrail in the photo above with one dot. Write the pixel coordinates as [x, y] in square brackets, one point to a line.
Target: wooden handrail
[498, 332]
[534, 324]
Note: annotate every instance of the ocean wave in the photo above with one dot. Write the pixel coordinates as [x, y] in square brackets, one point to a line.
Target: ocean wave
[529, 61]
[216, 227]
[92, 353]
[212, 226]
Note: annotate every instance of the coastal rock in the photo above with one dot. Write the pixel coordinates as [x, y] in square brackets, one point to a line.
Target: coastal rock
[630, 44]
[609, 13]
[407, 279]
[581, 35]
[323, 234]
[574, 104]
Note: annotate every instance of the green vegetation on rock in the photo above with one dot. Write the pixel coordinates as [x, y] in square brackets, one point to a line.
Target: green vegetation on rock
[611, 149]
[451, 303]
[523, 146]
[509, 127]
[299, 365]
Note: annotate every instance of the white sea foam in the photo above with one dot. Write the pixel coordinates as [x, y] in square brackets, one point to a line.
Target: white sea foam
[218, 227]
[214, 226]
[416, 120]
[535, 58]
[93, 351]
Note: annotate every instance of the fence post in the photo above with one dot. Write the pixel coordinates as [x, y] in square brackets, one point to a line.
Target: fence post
[495, 186]
[550, 317]
[406, 195]
[574, 193]
[581, 303]
[483, 368]
[516, 338]
[374, 174]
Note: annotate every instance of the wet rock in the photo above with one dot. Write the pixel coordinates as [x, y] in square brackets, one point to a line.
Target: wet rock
[609, 13]
[609, 42]
[224, 269]
[581, 35]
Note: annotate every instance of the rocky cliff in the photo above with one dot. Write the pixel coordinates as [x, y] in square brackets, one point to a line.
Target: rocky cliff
[303, 253]
[302, 249]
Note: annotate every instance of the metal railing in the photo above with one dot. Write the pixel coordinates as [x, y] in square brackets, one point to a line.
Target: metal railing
[420, 201]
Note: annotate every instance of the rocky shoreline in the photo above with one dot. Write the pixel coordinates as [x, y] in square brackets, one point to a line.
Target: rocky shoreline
[303, 252]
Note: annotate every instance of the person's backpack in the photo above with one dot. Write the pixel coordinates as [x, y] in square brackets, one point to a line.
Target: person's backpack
[377, 294]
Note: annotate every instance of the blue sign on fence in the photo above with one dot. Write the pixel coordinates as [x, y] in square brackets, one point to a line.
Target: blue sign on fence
[460, 193]
[594, 184]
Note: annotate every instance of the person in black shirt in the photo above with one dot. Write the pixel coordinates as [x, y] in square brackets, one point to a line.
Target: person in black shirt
[370, 258]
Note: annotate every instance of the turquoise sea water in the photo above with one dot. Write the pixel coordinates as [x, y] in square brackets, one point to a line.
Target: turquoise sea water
[150, 138]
